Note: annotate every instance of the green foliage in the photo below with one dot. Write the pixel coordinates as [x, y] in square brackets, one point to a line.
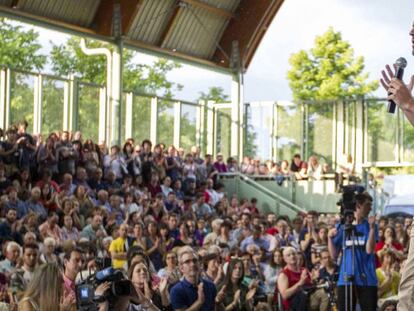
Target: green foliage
[328, 71]
[165, 122]
[188, 128]
[141, 118]
[215, 94]
[88, 116]
[19, 47]
[289, 131]
[68, 58]
[22, 98]
[52, 105]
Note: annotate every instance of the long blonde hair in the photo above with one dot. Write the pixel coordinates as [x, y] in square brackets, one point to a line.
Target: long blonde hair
[46, 288]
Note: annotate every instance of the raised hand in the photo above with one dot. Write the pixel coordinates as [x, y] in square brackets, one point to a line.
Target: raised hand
[162, 286]
[200, 293]
[221, 294]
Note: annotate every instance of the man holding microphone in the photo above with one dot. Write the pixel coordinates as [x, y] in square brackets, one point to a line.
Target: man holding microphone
[397, 90]
[401, 95]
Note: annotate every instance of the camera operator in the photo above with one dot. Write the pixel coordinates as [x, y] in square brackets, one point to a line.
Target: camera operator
[73, 263]
[358, 261]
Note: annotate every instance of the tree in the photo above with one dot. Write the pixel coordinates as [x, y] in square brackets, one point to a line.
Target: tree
[328, 71]
[140, 78]
[217, 95]
[19, 47]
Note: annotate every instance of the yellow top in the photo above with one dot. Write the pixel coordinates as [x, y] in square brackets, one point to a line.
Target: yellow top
[392, 288]
[118, 246]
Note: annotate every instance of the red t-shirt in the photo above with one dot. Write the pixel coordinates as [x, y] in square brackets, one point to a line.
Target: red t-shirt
[272, 231]
[380, 245]
[293, 278]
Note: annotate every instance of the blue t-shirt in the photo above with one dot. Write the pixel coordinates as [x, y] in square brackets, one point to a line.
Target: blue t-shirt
[364, 264]
[184, 294]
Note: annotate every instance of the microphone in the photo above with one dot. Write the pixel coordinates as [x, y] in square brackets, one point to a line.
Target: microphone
[401, 63]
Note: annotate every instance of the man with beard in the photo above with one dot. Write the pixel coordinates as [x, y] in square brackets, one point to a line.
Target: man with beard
[192, 292]
[21, 277]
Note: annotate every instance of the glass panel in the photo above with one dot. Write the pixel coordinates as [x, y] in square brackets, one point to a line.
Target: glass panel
[223, 132]
[141, 118]
[260, 131]
[22, 98]
[165, 122]
[408, 141]
[188, 126]
[52, 105]
[382, 128]
[319, 140]
[289, 132]
[351, 113]
[88, 111]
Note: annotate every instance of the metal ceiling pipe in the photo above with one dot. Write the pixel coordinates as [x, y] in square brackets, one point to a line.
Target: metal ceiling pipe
[108, 111]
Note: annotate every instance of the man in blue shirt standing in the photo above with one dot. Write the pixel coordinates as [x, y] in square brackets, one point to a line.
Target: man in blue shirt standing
[192, 292]
[361, 264]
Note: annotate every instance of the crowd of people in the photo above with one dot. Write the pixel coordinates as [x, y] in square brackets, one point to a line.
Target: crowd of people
[69, 207]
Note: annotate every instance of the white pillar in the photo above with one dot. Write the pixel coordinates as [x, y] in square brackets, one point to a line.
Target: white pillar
[37, 104]
[128, 115]
[4, 97]
[210, 128]
[102, 114]
[200, 125]
[154, 116]
[177, 124]
[236, 114]
[116, 98]
[73, 103]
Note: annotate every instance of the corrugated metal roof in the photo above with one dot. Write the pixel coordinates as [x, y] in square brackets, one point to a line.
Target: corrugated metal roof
[6, 2]
[195, 31]
[78, 12]
[150, 20]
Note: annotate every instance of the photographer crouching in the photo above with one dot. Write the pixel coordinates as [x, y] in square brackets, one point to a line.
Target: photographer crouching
[355, 237]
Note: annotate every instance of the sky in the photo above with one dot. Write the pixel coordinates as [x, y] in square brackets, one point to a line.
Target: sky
[376, 29]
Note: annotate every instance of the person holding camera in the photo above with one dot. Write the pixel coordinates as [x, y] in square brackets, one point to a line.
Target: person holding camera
[357, 269]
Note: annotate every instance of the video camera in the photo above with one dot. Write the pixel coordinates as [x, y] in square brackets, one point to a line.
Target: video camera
[348, 204]
[85, 290]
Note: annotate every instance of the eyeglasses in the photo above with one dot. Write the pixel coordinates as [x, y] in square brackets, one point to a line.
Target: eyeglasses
[171, 257]
[188, 261]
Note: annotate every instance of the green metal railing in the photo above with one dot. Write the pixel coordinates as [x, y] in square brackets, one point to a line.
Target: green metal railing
[245, 187]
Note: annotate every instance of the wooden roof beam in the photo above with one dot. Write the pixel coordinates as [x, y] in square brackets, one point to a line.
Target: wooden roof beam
[169, 26]
[248, 28]
[103, 19]
[15, 4]
[210, 8]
